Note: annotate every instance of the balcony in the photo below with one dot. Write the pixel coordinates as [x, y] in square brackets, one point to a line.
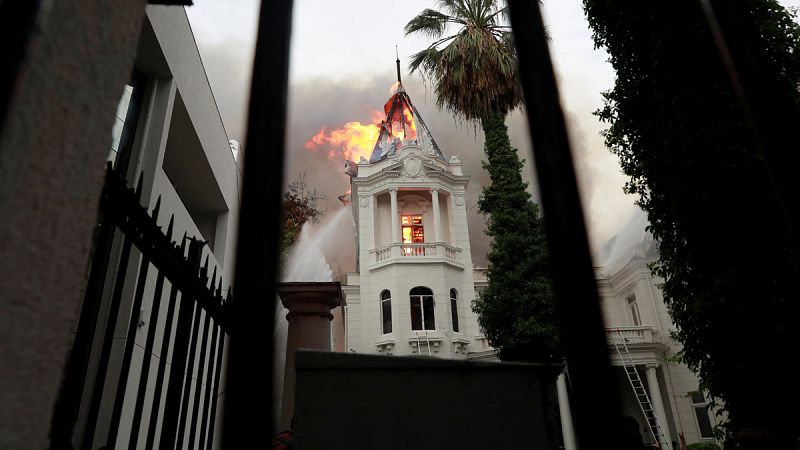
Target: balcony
[643, 343]
[643, 334]
[416, 253]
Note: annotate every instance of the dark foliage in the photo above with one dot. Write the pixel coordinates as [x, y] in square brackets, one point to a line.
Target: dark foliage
[300, 205]
[516, 310]
[711, 150]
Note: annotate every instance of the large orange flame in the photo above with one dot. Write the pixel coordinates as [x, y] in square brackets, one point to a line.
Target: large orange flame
[355, 139]
[351, 141]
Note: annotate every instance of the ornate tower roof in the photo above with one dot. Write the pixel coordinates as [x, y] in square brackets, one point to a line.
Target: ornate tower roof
[403, 124]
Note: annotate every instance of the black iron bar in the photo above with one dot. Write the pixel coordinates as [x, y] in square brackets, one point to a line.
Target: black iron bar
[187, 381]
[134, 221]
[169, 427]
[66, 410]
[130, 340]
[162, 364]
[144, 375]
[248, 404]
[594, 397]
[212, 417]
[199, 384]
[212, 361]
[108, 338]
[180, 349]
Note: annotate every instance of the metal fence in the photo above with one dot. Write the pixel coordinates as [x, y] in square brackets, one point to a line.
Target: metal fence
[183, 338]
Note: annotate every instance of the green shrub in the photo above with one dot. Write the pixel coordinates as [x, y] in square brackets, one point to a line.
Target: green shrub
[703, 446]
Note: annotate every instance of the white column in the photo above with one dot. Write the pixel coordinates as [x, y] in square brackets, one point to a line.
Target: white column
[395, 217]
[437, 217]
[655, 399]
[564, 412]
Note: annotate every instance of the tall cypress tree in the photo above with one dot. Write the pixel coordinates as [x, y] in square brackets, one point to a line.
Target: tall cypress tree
[517, 308]
[703, 116]
[474, 75]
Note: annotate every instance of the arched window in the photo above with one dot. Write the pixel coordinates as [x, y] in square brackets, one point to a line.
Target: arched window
[454, 308]
[386, 312]
[422, 317]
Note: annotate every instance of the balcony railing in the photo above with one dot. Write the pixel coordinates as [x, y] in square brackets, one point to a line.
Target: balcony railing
[398, 250]
[643, 334]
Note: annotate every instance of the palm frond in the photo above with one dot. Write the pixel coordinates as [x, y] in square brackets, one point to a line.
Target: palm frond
[425, 61]
[429, 22]
[473, 71]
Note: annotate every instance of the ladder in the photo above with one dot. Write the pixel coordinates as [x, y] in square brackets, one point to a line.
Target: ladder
[642, 398]
[427, 342]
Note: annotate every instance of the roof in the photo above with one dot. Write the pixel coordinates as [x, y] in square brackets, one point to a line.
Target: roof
[403, 123]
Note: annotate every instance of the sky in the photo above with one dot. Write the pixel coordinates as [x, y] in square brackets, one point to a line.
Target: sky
[341, 67]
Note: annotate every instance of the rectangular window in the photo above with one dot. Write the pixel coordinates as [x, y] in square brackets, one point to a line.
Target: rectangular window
[413, 231]
[386, 315]
[701, 414]
[633, 307]
[454, 308]
[422, 315]
[122, 133]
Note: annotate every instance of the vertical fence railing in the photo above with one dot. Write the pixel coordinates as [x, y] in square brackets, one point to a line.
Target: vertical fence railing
[248, 403]
[596, 412]
[196, 311]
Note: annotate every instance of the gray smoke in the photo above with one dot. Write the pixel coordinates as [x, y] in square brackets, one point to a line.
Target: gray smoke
[325, 102]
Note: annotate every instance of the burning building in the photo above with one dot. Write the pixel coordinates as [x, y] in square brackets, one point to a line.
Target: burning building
[413, 286]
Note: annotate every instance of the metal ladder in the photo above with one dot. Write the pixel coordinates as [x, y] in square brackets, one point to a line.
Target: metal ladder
[642, 398]
[427, 342]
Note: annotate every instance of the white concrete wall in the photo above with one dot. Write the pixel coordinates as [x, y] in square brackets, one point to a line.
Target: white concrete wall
[179, 76]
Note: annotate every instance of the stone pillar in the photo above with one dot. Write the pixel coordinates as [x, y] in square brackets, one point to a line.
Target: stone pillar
[309, 318]
[437, 217]
[565, 413]
[655, 399]
[395, 217]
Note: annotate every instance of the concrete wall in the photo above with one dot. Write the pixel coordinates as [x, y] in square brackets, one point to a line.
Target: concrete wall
[181, 151]
[431, 403]
[52, 150]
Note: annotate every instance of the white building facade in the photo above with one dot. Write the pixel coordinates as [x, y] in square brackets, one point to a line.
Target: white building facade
[168, 132]
[413, 288]
[634, 312]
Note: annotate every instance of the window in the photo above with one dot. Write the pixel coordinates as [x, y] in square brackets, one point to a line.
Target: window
[386, 312]
[701, 414]
[413, 231]
[422, 317]
[633, 307]
[454, 308]
[128, 107]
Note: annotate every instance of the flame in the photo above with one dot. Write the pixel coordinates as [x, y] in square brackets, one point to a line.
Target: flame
[351, 141]
[355, 139]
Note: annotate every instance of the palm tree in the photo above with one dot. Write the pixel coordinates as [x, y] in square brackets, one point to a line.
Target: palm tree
[474, 71]
[474, 75]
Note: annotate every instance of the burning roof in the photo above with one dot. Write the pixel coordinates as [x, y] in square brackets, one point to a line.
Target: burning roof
[398, 124]
[402, 124]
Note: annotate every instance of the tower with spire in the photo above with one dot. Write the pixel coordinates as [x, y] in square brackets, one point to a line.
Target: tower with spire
[413, 287]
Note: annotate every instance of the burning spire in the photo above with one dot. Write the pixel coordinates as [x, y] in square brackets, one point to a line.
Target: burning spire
[399, 124]
[402, 123]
